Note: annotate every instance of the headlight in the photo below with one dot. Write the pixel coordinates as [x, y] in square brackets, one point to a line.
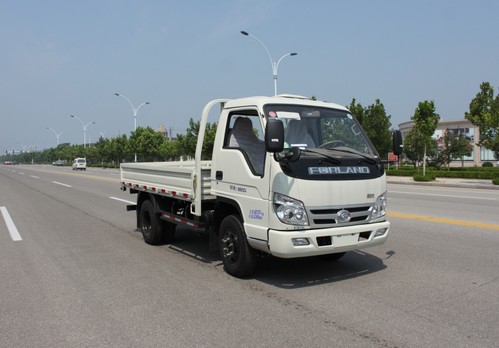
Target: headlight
[289, 210]
[379, 209]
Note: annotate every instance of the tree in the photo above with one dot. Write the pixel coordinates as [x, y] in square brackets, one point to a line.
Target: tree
[459, 147]
[120, 149]
[187, 143]
[103, 150]
[484, 113]
[170, 150]
[414, 147]
[146, 143]
[451, 147]
[376, 123]
[425, 123]
[357, 110]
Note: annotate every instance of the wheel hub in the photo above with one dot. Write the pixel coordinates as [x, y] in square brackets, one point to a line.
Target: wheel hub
[230, 247]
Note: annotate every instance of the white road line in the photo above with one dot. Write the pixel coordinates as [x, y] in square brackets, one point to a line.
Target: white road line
[122, 200]
[21, 173]
[14, 233]
[439, 195]
[36, 177]
[60, 183]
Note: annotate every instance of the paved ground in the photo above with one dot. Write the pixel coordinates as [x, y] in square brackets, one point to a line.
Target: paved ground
[452, 182]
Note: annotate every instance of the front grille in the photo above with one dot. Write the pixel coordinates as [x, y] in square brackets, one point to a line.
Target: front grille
[327, 216]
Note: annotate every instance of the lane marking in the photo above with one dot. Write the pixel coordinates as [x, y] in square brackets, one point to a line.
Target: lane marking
[60, 183]
[34, 176]
[122, 200]
[21, 173]
[440, 195]
[14, 233]
[443, 220]
[91, 175]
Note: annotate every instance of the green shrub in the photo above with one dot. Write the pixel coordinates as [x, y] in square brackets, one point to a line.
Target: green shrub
[466, 174]
[104, 165]
[404, 172]
[487, 164]
[495, 180]
[428, 177]
[471, 169]
[463, 173]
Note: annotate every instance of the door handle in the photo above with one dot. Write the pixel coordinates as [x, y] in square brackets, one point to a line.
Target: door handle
[219, 175]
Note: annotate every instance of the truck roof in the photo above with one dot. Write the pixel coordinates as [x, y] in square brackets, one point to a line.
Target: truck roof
[280, 99]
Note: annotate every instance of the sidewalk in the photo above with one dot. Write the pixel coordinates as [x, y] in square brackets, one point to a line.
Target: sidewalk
[450, 182]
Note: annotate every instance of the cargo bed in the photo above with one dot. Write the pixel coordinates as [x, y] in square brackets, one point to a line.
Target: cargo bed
[173, 179]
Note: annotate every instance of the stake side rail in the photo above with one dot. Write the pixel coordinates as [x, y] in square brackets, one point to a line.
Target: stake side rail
[157, 190]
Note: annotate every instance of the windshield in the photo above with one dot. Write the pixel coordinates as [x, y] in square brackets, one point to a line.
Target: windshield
[310, 127]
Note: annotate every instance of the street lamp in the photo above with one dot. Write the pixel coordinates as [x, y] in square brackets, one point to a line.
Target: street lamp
[275, 65]
[56, 134]
[84, 128]
[135, 110]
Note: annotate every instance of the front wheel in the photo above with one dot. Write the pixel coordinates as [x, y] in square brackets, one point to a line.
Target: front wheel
[238, 257]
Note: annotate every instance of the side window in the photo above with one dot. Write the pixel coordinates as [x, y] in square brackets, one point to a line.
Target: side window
[246, 135]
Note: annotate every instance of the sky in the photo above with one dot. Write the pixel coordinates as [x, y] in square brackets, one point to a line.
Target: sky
[63, 57]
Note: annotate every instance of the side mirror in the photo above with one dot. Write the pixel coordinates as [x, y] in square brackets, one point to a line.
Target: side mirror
[274, 136]
[397, 142]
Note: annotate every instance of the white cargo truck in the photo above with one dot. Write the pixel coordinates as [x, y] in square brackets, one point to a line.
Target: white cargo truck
[289, 176]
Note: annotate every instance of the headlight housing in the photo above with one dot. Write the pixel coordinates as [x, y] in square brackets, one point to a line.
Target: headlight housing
[378, 211]
[289, 210]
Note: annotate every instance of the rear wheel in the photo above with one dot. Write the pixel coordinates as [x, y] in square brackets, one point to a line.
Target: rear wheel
[238, 257]
[154, 230]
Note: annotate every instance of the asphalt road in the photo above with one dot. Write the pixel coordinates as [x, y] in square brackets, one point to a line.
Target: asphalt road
[77, 273]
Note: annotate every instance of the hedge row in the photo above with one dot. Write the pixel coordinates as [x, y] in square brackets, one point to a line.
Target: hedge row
[447, 174]
[474, 169]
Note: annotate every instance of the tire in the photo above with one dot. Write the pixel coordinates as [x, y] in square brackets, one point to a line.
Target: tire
[154, 230]
[238, 257]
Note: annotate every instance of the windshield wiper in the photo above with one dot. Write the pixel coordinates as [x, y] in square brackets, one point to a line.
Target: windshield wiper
[364, 157]
[325, 154]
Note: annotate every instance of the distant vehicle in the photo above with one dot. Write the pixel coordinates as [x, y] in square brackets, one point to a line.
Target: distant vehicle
[80, 164]
[9, 163]
[58, 163]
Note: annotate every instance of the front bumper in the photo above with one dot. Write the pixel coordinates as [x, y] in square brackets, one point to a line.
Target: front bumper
[328, 240]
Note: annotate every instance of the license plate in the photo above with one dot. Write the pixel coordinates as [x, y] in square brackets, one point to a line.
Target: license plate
[345, 240]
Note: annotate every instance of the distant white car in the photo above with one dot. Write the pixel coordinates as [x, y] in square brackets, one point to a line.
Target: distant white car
[80, 164]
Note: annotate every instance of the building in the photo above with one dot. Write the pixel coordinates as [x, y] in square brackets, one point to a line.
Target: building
[167, 133]
[465, 127]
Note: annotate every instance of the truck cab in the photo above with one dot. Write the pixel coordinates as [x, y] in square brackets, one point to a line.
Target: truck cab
[315, 186]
